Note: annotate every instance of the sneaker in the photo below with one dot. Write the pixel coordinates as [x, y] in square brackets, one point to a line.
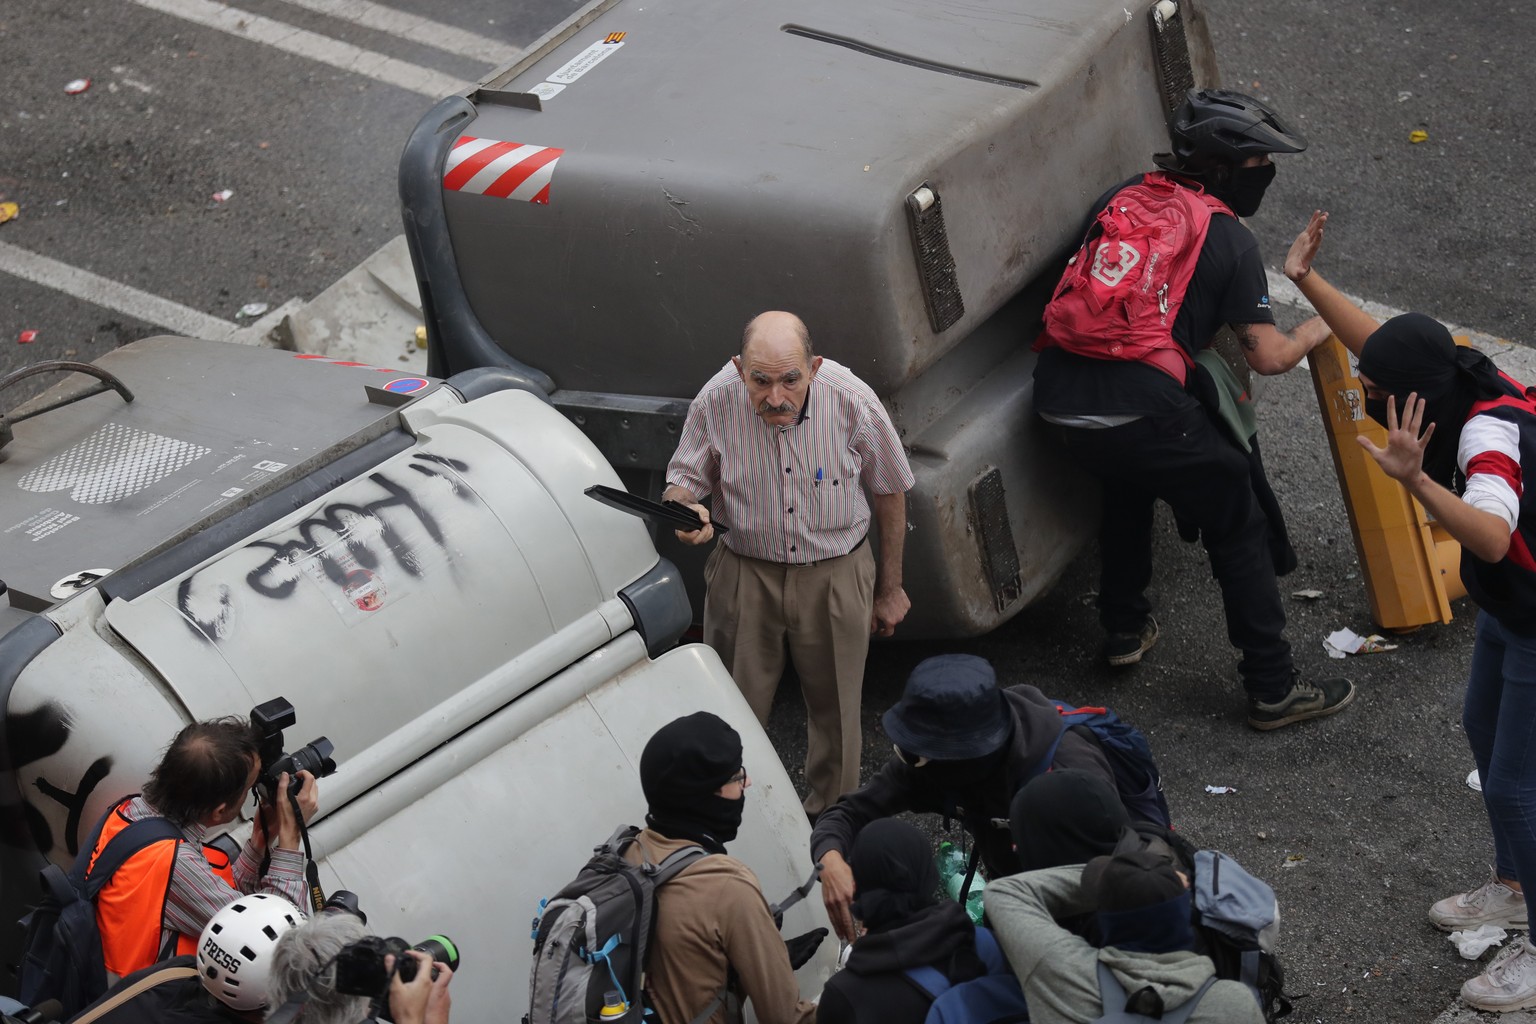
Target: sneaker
[1508, 984]
[1493, 903]
[1306, 700]
[1127, 648]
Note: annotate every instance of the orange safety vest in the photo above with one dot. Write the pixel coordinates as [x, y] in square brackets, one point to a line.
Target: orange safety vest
[130, 910]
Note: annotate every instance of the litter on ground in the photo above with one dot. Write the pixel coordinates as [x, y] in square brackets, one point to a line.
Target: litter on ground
[1344, 642]
[1473, 943]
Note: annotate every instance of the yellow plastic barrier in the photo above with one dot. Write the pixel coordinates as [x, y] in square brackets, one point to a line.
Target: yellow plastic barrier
[1411, 565]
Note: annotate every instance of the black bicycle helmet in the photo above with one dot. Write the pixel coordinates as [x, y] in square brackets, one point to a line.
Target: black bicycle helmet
[1218, 124]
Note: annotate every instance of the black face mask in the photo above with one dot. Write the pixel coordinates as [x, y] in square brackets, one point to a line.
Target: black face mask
[711, 821]
[1244, 190]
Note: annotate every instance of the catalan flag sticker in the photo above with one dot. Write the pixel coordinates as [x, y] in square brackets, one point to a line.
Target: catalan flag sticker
[507, 170]
[614, 37]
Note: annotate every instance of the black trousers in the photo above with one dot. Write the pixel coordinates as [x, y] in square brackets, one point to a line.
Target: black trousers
[1184, 459]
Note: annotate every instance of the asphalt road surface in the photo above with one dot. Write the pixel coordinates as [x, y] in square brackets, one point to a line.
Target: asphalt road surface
[1360, 821]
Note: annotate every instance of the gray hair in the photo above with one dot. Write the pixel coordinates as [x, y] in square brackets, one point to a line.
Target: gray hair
[303, 968]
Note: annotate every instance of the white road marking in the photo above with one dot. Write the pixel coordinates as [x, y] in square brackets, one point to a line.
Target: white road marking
[120, 298]
[1282, 291]
[414, 28]
[304, 43]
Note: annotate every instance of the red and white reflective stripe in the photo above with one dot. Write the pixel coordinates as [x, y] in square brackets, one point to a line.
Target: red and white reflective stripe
[310, 357]
[509, 170]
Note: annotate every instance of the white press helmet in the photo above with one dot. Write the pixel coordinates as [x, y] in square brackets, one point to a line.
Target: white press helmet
[234, 953]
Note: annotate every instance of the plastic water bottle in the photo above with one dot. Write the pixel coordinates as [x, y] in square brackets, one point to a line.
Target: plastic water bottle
[952, 863]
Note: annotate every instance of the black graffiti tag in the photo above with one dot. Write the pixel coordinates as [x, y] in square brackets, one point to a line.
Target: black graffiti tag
[74, 802]
[336, 523]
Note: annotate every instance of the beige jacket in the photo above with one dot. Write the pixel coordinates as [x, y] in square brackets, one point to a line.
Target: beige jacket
[709, 919]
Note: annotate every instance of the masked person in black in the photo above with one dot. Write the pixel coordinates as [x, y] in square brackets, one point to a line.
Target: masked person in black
[1460, 435]
[964, 748]
[908, 928]
[1155, 425]
[714, 930]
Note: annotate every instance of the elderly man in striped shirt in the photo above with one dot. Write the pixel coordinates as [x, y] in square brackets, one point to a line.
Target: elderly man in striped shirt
[788, 443]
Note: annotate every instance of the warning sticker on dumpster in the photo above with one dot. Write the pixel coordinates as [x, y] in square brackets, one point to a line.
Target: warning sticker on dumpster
[587, 59]
[507, 170]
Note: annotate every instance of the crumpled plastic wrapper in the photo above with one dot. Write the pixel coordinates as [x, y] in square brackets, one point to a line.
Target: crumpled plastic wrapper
[1344, 642]
[1473, 944]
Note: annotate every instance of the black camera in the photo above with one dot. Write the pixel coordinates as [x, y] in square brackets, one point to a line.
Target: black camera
[344, 901]
[360, 966]
[315, 757]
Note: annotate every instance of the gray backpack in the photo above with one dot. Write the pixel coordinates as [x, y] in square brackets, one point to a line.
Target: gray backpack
[1239, 918]
[590, 939]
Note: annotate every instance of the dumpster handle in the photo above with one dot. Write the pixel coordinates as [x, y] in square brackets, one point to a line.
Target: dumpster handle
[444, 306]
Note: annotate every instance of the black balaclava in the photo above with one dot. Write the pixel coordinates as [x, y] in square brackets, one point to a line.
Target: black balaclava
[1143, 905]
[1415, 353]
[1244, 188]
[956, 777]
[893, 873]
[1066, 817]
[681, 770]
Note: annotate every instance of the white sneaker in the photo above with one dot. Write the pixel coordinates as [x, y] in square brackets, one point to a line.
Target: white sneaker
[1509, 984]
[1493, 903]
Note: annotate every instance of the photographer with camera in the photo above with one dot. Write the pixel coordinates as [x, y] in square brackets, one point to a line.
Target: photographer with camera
[169, 879]
[332, 971]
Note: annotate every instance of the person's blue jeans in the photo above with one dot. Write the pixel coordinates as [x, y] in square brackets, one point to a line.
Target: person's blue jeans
[1500, 719]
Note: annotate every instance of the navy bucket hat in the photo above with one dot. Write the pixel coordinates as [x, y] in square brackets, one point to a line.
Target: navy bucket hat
[951, 710]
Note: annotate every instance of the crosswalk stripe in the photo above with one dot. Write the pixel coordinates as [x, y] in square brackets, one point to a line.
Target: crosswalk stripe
[109, 294]
[303, 43]
[414, 28]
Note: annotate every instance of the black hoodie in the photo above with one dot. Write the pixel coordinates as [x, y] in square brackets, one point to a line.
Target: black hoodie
[982, 806]
[874, 988]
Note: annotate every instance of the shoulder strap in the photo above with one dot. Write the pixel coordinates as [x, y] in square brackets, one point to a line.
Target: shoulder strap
[930, 980]
[145, 983]
[797, 894]
[83, 856]
[1113, 998]
[1185, 1010]
[138, 835]
[674, 862]
[990, 952]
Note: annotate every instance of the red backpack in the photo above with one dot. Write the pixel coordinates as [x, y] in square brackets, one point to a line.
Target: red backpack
[1122, 290]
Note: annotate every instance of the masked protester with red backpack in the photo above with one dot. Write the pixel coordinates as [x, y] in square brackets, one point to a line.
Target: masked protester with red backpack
[1165, 264]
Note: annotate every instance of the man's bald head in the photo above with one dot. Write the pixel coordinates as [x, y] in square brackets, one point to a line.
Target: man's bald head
[777, 327]
[777, 366]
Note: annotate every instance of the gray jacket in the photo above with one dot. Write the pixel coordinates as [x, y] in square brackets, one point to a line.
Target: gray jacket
[1059, 970]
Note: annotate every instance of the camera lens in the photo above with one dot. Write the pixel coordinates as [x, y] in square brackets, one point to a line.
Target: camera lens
[315, 757]
[441, 949]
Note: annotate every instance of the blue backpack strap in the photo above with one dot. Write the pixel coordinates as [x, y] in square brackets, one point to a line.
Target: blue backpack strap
[1063, 711]
[1113, 997]
[931, 980]
[990, 952]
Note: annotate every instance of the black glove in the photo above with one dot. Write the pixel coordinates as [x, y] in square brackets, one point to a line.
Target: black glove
[803, 947]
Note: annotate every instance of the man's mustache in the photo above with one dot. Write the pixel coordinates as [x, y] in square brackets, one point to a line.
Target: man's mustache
[786, 407]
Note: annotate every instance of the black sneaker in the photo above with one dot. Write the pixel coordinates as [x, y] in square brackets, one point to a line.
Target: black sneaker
[1306, 700]
[1127, 648]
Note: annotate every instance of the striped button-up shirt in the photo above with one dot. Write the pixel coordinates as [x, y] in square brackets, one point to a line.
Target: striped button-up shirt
[790, 494]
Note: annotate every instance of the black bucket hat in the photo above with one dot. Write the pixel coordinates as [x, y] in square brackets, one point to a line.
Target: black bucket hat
[951, 710]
